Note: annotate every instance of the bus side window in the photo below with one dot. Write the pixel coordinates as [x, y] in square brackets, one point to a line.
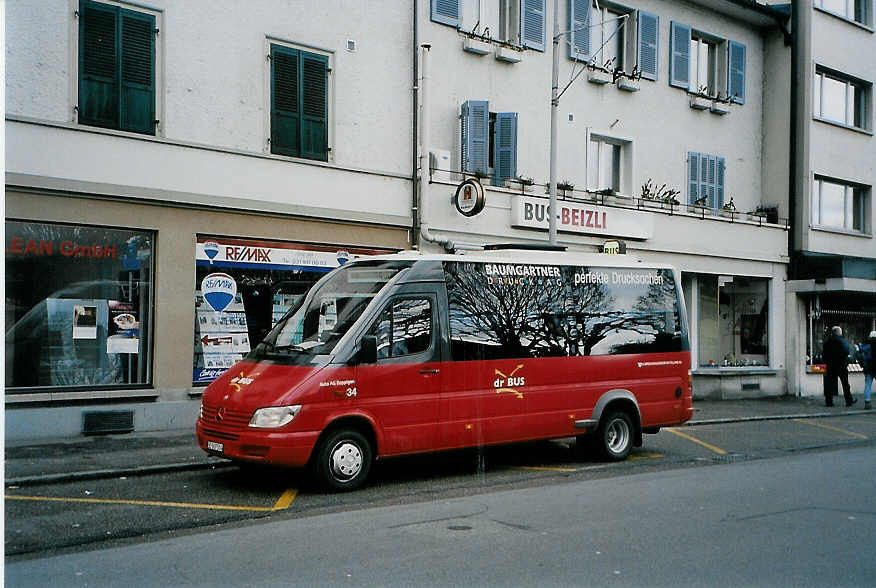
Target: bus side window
[404, 328]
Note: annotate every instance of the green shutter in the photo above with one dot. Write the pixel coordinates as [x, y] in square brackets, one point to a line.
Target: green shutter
[137, 101]
[98, 66]
[314, 122]
[285, 117]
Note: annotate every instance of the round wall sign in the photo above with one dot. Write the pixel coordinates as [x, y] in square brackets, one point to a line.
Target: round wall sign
[469, 198]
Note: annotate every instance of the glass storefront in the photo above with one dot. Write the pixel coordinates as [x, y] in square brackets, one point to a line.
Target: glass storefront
[244, 286]
[733, 328]
[854, 312]
[78, 306]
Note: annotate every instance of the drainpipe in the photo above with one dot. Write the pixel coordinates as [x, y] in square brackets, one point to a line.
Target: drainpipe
[425, 166]
[415, 211]
[794, 162]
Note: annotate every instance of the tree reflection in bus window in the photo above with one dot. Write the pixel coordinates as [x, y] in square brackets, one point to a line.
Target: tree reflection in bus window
[403, 328]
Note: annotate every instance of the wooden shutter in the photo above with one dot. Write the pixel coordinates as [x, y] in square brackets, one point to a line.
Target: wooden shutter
[532, 24]
[285, 111]
[693, 177]
[137, 99]
[504, 148]
[314, 95]
[579, 24]
[475, 126]
[736, 71]
[98, 65]
[446, 12]
[679, 55]
[649, 34]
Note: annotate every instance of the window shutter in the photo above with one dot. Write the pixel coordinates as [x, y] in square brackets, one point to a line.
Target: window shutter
[719, 183]
[707, 179]
[649, 34]
[137, 101]
[579, 24]
[314, 95]
[98, 65]
[736, 71]
[475, 126]
[285, 112]
[679, 55]
[505, 147]
[693, 177]
[532, 24]
[446, 12]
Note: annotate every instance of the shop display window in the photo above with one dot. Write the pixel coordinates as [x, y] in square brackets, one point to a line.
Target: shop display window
[78, 306]
[733, 321]
[854, 313]
[243, 287]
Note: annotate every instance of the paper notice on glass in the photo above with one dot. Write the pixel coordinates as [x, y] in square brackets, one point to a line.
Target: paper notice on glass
[84, 321]
[124, 329]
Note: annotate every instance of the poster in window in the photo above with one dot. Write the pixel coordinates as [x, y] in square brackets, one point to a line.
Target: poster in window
[124, 328]
[84, 322]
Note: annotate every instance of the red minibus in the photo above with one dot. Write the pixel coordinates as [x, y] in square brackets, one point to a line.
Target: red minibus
[413, 352]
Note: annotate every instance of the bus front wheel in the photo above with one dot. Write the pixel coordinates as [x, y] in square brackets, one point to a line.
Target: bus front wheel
[343, 460]
[614, 437]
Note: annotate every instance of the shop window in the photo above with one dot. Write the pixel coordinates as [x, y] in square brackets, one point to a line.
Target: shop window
[838, 205]
[116, 68]
[78, 306]
[733, 315]
[244, 287]
[299, 103]
[854, 313]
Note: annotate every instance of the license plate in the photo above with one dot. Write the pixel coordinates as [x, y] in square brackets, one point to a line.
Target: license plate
[214, 446]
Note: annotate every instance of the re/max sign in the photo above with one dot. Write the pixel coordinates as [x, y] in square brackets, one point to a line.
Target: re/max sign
[45, 248]
[247, 254]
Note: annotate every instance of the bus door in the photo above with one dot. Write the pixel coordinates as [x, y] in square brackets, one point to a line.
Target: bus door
[402, 389]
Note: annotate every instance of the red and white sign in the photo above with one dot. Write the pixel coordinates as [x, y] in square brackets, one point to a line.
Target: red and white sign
[528, 212]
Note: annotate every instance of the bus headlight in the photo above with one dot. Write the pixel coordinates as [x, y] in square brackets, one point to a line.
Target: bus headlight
[274, 416]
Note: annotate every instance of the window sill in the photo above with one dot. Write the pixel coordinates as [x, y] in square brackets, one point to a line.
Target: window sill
[846, 20]
[834, 123]
[840, 231]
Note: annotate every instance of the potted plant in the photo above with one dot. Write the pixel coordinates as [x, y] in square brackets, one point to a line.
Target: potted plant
[566, 187]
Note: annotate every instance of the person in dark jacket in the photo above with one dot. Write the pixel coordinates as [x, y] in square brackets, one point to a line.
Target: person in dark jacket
[867, 361]
[836, 359]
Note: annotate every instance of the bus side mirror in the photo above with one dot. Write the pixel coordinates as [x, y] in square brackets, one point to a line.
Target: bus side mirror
[368, 349]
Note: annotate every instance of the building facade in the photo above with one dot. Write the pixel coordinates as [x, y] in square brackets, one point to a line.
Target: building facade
[175, 182]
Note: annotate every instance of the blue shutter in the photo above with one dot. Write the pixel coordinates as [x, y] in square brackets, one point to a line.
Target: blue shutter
[285, 108]
[504, 147]
[475, 143]
[707, 179]
[314, 96]
[649, 35]
[446, 12]
[736, 71]
[532, 24]
[719, 182]
[137, 74]
[579, 24]
[693, 177]
[679, 55]
[98, 65]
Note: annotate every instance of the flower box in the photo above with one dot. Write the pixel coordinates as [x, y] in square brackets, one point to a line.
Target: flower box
[508, 55]
[700, 103]
[628, 85]
[599, 77]
[475, 46]
[719, 108]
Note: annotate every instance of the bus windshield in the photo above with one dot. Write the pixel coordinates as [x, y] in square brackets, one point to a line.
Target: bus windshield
[332, 306]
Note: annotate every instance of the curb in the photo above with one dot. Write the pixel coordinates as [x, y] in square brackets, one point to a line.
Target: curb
[777, 417]
[105, 474]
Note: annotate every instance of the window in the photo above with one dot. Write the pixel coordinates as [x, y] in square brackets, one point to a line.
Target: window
[299, 103]
[603, 165]
[856, 10]
[705, 184]
[78, 306]
[517, 21]
[842, 99]
[509, 21]
[838, 204]
[403, 328]
[705, 64]
[116, 68]
[489, 142]
[733, 328]
[600, 33]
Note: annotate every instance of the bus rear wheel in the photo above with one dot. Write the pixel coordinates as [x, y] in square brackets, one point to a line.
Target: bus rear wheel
[614, 437]
[343, 460]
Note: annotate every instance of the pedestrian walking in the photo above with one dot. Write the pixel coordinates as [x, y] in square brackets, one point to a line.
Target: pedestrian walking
[867, 361]
[836, 359]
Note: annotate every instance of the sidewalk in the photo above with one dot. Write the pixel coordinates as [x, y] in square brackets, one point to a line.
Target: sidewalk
[62, 460]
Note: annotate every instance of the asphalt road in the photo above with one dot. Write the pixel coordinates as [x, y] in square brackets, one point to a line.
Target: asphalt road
[799, 519]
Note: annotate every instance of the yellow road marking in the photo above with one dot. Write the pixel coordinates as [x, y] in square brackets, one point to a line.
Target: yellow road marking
[646, 456]
[829, 428]
[717, 450]
[284, 502]
[286, 499]
[545, 469]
